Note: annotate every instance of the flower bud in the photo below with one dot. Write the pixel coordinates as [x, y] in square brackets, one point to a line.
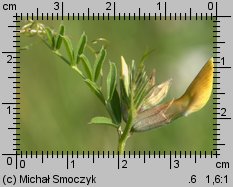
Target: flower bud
[125, 75]
[157, 94]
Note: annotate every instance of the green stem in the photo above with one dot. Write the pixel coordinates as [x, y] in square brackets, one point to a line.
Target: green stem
[124, 137]
[121, 147]
[126, 134]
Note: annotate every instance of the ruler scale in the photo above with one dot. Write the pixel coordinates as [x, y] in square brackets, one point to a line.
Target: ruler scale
[104, 168]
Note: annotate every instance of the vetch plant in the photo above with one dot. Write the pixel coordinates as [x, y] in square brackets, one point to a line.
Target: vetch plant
[133, 98]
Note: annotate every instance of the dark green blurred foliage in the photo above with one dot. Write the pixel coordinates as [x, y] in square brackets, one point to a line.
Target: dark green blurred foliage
[57, 105]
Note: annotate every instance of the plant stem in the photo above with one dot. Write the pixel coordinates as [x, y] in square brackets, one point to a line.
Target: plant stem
[123, 139]
[126, 134]
[121, 147]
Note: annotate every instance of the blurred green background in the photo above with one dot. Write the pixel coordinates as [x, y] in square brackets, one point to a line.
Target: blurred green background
[57, 106]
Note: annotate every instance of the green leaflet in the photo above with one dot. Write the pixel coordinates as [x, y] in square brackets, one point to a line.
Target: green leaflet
[124, 100]
[116, 106]
[87, 66]
[111, 80]
[102, 121]
[99, 63]
[50, 37]
[81, 46]
[69, 49]
[59, 36]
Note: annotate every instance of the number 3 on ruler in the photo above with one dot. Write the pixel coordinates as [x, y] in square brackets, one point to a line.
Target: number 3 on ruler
[177, 164]
[56, 5]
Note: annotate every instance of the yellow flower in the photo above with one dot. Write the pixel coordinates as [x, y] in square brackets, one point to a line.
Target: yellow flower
[199, 91]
